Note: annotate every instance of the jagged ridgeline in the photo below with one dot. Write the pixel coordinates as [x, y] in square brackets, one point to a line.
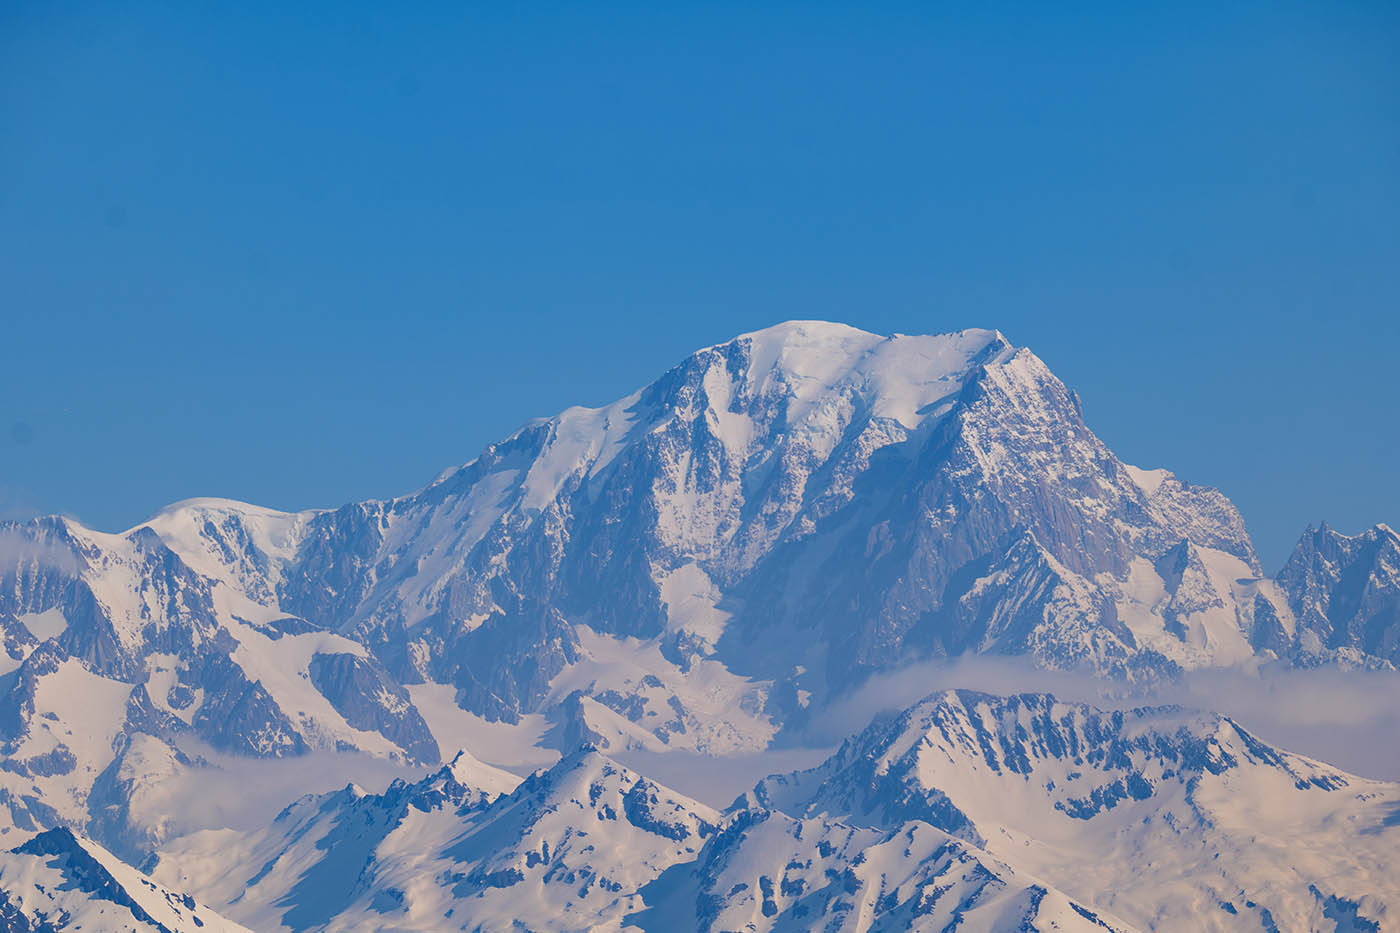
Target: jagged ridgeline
[966, 811]
[698, 567]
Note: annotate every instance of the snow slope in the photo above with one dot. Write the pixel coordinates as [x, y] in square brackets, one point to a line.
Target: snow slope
[1166, 818]
[466, 848]
[591, 845]
[57, 881]
[770, 871]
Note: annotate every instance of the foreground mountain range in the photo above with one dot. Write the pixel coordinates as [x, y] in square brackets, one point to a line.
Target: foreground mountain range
[965, 811]
[706, 567]
[997, 813]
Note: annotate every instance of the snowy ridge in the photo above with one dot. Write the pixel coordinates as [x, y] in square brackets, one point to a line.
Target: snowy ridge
[1165, 817]
[591, 845]
[57, 881]
[567, 848]
[988, 813]
[769, 871]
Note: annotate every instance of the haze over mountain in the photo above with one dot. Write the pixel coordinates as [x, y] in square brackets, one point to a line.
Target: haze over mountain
[1000, 814]
[706, 566]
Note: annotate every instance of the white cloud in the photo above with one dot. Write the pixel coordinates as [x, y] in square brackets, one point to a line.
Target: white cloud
[215, 794]
[17, 547]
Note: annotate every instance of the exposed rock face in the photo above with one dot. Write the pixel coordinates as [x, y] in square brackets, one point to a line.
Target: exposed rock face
[370, 700]
[1344, 593]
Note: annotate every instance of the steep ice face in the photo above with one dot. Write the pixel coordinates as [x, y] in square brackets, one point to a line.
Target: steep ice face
[1160, 816]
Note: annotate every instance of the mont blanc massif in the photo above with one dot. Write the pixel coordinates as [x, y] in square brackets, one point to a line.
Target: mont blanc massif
[516, 699]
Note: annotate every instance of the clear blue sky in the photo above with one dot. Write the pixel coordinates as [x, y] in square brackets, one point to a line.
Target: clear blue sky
[302, 258]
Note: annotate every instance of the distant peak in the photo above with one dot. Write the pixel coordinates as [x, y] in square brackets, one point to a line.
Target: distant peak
[804, 330]
[205, 503]
[180, 513]
[806, 359]
[1378, 530]
[469, 771]
[811, 332]
[803, 345]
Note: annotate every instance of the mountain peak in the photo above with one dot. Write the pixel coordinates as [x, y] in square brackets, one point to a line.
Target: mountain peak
[469, 771]
[800, 331]
[59, 880]
[823, 350]
[795, 331]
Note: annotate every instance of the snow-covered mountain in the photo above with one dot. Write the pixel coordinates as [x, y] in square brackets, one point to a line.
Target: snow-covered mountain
[1343, 598]
[1167, 818]
[770, 871]
[591, 845]
[969, 810]
[467, 847]
[704, 566]
[57, 881]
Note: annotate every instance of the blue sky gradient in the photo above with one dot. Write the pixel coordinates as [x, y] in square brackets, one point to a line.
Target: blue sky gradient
[302, 258]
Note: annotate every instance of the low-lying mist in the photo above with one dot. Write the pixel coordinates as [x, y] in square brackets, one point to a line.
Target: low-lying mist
[1350, 719]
